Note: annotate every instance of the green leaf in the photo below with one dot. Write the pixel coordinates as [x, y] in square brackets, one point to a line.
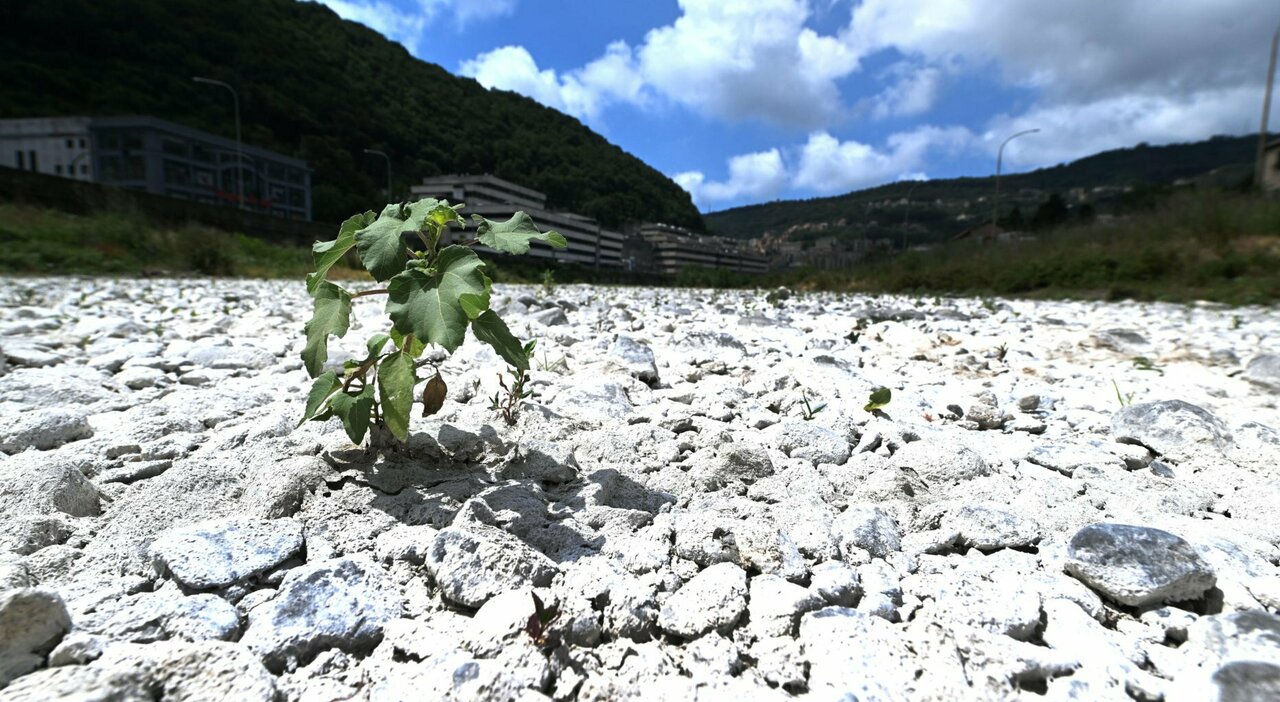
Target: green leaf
[395, 387]
[327, 253]
[331, 315]
[490, 329]
[376, 342]
[879, 399]
[354, 411]
[381, 244]
[321, 390]
[437, 307]
[513, 235]
[416, 347]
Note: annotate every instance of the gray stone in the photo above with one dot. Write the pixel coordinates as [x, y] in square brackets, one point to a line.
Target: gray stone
[32, 622]
[544, 461]
[35, 484]
[775, 605]
[342, 603]
[809, 441]
[939, 461]
[230, 357]
[474, 562]
[635, 357]
[42, 429]
[594, 399]
[550, 317]
[1173, 428]
[988, 526]
[837, 583]
[203, 617]
[221, 552]
[738, 463]
[170, 670]
[869, 528]
[1138, 566]
[1264, 369]
[1067, 458]
[853, 654]
[713, 600]
[405, 543]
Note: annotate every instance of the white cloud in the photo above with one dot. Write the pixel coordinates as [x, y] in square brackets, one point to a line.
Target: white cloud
[582, 93]
[407, 24]
[727, 59]
[914, 92]
[756, 176]
[1069, 131]
[828, 165]
[737, 59]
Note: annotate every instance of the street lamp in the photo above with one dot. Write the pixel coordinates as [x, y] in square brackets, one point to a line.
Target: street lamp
[383, 154]
[1260, 171]
[235, 101]
[995, 207]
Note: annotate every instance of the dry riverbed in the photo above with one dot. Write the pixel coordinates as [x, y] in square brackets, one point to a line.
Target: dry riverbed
[1065, 501]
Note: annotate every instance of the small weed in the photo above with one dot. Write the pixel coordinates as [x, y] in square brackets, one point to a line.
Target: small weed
[810, 411]
[1124, 399]
[879, 399]
[1143, 363]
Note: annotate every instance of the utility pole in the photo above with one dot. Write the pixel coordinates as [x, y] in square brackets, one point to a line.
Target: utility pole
[388, 159]
[995, 206]
[235, 102]
[1260, 170]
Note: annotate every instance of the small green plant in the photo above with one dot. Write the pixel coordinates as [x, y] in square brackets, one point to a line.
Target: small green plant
[552, 365]
[1001, 351]
[508, 400]
[1125, 399]
[878, 400]
[548, 282]
[434, 294]
[1143, 363]
[810, 411]
[1236, 322]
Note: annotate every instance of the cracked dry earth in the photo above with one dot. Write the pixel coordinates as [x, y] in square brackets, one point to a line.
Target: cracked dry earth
[1003, 529]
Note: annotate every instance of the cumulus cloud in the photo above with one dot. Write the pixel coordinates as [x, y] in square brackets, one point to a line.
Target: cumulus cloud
[726, 59]
[825, 164]
[582, 93]
[828, 165]
[913, 93]
[756, 176]
[406, 23]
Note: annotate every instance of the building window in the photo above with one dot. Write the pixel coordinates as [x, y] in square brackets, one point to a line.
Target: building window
[84, 169]
[31, 156]
[22, 164]
[57, 169]
[173, 147]
[133, 141]
[71, 143]
[176, 173]
[110, 140]
[201, 152]
[83, 144]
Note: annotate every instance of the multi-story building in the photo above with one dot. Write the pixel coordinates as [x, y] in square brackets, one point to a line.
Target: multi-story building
[676, 248]
[155, 156]
[498, 199]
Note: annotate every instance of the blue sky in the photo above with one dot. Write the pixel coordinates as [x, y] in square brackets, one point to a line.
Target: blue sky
[744, 101]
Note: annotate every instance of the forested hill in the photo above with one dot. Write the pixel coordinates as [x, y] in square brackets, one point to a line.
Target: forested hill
[935, 203]
[316, 87]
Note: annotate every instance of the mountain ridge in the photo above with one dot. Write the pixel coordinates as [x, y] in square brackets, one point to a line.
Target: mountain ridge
[318, 87]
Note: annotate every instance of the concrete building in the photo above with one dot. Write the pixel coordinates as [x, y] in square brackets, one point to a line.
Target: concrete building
[676, 248]
[155, 156]
[498, 199]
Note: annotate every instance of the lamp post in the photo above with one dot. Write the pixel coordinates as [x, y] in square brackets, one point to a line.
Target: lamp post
[1260, 171]
[388, 160]
[995, 206]
[235, 102]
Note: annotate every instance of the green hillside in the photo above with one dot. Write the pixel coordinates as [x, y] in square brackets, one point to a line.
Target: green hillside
[317, 87]
[937, 205]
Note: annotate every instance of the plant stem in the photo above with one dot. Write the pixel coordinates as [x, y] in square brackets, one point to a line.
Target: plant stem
[366, 293]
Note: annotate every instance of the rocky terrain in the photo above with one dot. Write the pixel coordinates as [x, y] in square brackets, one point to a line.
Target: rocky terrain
[1062, 501]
